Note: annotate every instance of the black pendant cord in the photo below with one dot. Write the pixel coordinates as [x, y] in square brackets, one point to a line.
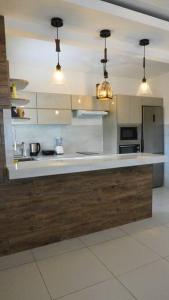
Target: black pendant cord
[56, 47]
[105, 61]
[144, 64]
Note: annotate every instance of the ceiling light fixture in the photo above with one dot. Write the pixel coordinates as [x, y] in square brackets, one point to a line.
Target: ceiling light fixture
[104, 89]
[144, 89]
[59, 76]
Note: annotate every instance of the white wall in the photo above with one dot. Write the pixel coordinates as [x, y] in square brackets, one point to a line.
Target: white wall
[160, 88]
[41, 80]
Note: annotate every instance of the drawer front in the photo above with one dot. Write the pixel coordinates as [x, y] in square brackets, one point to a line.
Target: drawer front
[52, 116]
[89, 103]
[58, 101]
[29, 113]
[30, 96]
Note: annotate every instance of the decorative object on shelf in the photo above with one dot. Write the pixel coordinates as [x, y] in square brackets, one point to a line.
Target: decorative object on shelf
[14, 112]
[20, 84]
[59, 76]
[17, 104]
[144, 88]
[20, 112]
[17, 85]
[104, 89]
[13, 91]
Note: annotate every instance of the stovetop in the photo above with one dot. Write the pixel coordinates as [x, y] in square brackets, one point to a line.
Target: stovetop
[87, 153]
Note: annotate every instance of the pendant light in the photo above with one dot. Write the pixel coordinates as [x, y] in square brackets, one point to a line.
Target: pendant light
[104, 89]
[144, 89]
[59, 76]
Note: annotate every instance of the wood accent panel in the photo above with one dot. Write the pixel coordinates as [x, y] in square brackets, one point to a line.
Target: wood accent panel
[2, 40]
[4, 95]
[2, 149]
[42, 210]
[4, 69]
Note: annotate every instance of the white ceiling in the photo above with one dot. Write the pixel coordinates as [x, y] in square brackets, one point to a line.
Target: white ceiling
[158, 8]
[30, 38]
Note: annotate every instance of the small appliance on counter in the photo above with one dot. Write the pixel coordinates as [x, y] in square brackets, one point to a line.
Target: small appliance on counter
[34, 149]
[59, 146]
[19, 149]
[48, 152]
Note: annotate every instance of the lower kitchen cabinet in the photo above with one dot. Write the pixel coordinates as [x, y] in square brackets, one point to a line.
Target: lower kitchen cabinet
[53, 116]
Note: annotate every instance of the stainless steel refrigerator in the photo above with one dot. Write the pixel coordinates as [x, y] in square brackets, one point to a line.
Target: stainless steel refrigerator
[153, 138]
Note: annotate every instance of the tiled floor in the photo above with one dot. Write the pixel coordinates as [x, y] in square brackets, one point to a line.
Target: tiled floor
[125, 263]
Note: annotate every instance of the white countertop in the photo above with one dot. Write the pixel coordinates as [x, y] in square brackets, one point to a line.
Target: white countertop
[77, 163]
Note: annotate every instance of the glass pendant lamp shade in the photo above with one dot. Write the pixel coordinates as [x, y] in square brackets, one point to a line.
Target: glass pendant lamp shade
[59, 75]
[104, 91]
[144, 89]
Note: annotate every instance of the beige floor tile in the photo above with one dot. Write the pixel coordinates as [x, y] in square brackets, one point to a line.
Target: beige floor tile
[150, 282]
[156, 238]
[71, 272]
[102, 236]
[108, 290]
[14, 260]
[123, 255]
[57, 248]
[22, 283]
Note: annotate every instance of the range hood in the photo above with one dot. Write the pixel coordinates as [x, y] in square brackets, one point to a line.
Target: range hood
[90, 113]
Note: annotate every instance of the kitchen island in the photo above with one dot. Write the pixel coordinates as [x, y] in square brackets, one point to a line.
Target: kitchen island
[49, 200]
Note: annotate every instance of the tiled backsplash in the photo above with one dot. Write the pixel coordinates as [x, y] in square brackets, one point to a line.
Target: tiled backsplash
[75, 138]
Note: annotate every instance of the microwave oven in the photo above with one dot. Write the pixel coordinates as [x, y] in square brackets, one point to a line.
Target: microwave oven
[128, 133]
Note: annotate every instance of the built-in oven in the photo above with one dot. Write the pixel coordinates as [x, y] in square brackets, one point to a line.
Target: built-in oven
[131, 148]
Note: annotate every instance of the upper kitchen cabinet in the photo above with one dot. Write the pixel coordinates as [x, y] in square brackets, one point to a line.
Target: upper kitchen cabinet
[30, 96]
[151, 101]
[53, 101]
[53, 117]
[89, 103]
[128, 109]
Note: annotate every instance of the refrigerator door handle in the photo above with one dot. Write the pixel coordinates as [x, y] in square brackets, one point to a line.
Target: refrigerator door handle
[142, 145]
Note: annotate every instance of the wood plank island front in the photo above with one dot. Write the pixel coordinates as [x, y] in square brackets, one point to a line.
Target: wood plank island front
[41, 210]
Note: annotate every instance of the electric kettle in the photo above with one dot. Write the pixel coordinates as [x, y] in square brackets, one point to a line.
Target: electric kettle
[34, 149]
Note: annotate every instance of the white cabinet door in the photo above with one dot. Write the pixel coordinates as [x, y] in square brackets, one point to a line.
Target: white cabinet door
[129, 110]
[58, 101]
[52, 116]
[123, 109]
[135, 110]
[29, 113]
[88, 103]
[30, 96]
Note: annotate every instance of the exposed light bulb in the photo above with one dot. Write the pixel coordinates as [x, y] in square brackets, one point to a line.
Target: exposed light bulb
[58, 74]
[144, 89]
